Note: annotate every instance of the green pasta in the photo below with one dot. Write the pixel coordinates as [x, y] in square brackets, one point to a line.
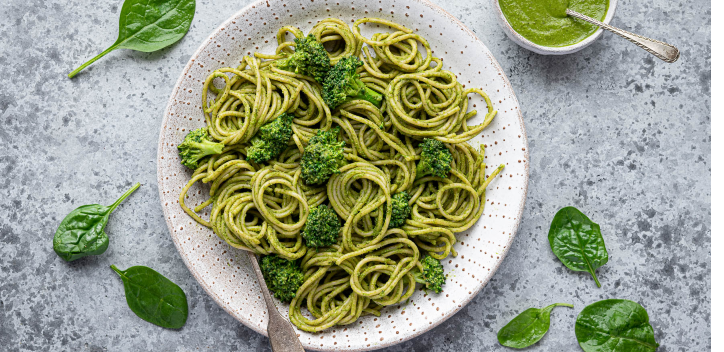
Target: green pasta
[263, 208]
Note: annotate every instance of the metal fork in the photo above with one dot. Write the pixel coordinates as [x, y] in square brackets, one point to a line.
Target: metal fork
[280, 330]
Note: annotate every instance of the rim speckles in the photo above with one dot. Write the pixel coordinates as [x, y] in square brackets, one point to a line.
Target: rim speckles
[224, 272]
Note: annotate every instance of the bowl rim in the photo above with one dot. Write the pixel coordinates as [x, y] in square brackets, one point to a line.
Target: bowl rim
[200, 278]
[550, 50]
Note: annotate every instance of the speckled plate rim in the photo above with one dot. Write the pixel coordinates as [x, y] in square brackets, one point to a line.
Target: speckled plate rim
[200, 278]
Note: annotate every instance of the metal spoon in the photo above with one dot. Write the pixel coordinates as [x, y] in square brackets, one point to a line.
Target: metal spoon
[663, 51]
[280, 331]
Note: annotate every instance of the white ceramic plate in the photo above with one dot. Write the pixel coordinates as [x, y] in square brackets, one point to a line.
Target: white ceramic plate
[225, 273]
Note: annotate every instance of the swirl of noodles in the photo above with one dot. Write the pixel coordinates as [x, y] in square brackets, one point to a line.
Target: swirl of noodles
[337, 37]
[327, 293]
[234, 216]
[398, 48]
[263, 208]
[216, 169]
[255, 96]
[363, 125]
[426, 104]
[357, 194]
[280, 198]
[443, 206]
[383, 272]
[288, 162]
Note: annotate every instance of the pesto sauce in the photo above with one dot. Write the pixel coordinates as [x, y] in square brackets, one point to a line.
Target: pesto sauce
[544, 22]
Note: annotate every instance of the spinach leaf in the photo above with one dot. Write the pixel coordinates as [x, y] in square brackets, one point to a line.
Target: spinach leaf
[153, 297]
[81, 233]
[149, 25]
[615, 325]
[577, 241]
[528, 327]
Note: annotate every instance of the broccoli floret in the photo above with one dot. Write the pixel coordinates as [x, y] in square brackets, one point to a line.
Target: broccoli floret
[322, 157]
[435, 159]
[196, 146]
[309, 59]
[400, 209]
[283, 277]
[322, 227]
[432, 274]
[343, 83]
[271, 140]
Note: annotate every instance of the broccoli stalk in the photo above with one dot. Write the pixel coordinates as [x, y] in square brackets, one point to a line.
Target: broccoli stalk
[196, 146]
[283, 277]
[322, 157]
[432, 275]
[271, 140]
[435, 159]
[309, 59]
[343, 83]
[322, 228]
[400, 209]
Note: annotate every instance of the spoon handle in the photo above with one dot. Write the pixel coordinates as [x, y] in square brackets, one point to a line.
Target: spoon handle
[663, 51]
[282, 336]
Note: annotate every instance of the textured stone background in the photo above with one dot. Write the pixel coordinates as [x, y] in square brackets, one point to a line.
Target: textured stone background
[613, 131]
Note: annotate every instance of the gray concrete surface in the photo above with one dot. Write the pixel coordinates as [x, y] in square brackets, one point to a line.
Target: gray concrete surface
[613, 131]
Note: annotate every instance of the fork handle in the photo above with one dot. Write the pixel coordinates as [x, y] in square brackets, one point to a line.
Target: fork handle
[282, 336]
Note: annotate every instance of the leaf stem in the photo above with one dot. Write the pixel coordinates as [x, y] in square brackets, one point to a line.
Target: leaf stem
[562, 305]
[75, 72]
[118, 271]
[550, 307]
[593, 273]
[124, 196]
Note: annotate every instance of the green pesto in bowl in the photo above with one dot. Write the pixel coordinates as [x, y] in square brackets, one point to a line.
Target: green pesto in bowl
[544, 22]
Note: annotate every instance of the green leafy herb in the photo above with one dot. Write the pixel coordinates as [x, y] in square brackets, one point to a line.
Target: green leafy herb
[322, 227]
[272, 139]
[577, 241]
[435, 159]
[343, 83]
[149, 25]
[309, 58]
[400, 209]
[153, 297]
[82, 233]
[528, 327]
[432, 275]
[197, 145]
[615, 325]
[282, 276]
[322, 157]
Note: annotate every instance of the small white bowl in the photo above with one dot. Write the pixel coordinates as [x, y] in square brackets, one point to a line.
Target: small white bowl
[548, 50]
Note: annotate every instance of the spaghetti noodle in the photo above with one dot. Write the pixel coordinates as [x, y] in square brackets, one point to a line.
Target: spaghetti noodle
[263, 208]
